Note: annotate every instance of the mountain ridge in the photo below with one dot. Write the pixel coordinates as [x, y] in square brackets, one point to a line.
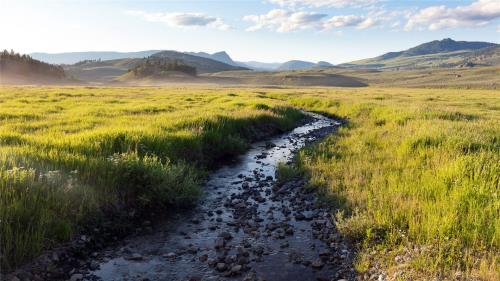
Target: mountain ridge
[436, 53]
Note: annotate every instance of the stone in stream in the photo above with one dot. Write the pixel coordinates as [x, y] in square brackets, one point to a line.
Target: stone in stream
[236, 269]
[317, 264]
[220, 266]
[220, 243]
[136, 257]
[226, 235]
[76, 277]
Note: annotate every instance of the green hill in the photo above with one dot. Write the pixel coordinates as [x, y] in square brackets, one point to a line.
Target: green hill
[443, 53]
[22, 69]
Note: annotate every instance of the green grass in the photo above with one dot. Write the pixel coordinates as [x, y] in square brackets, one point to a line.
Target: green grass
[415, 174]
[68, 153]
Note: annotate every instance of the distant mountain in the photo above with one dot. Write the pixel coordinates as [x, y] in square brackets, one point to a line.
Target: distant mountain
[296, 65]
[437, 53]
[324, 64]
[22, 69]
[202, 64]
[302, 65]
[74, 57]
[219, 56]
[484, 57]
[445, 45]
[256, 65]
[101, 71]
[105, 71]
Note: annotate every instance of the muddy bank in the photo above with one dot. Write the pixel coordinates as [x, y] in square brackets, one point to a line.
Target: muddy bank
[245, 228]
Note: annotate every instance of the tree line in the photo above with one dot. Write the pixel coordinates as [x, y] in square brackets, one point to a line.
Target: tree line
[158, 66]
[12, 62]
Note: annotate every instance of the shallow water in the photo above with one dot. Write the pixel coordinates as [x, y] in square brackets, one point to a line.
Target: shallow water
[192, 235]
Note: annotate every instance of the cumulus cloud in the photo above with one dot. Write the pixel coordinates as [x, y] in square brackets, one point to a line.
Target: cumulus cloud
[478, 13]
[322, 3]
[183, 20]
[359, 22]
[281, 20]
[285, 21]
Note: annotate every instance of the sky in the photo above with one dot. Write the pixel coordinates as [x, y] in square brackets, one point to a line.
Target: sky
[261, 30]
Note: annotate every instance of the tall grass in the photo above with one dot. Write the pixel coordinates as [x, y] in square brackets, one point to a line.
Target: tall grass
[67, 153]
[415, 175]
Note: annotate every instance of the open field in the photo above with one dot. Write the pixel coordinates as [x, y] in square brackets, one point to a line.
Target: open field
[416, 176]
[415, 172]
[68, 152]
[464, 78]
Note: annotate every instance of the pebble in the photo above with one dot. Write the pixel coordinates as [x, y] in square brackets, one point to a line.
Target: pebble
[76, 277]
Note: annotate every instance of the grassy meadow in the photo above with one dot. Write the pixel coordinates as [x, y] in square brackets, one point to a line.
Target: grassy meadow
[66, 154]
[414, 173]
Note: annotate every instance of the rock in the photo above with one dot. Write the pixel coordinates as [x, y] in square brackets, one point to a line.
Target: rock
[192, 249]
[136, 257]
[76, 277]
[226, 235]
[236, 269]
[219, 243]
[14, 278]
[317, 264]
[203, 258]
[94, 265]
[220, 266]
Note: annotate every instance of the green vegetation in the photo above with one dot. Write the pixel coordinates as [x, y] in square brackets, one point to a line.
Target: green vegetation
[415, 175]
[15, 68]
[443, 53]
[161, 67]
[68, 153]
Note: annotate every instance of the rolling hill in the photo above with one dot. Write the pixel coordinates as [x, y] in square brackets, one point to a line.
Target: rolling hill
[202, 64]
[219, 56]
[443, 53]
[23, 69]
[74, 57]
[100, 71]
[302, 65]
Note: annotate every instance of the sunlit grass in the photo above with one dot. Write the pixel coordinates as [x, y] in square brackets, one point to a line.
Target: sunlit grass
[67, 152]
[413, 168]
[414, 172]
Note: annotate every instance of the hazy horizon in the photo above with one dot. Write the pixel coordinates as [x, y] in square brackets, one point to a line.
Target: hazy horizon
[325, 30]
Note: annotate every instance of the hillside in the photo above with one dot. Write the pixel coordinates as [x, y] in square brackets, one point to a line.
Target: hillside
[302, 65]
[202, 65]
[74, 57]
[219, 56]
[316, 77]
[443, 53]
[23, 69]
[101, 71]
[484, 57]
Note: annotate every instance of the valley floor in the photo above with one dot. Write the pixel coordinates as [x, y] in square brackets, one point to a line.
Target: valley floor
[411, 179]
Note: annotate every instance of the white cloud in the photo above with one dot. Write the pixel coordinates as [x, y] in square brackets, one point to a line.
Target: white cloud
[322, 3]
[498, 28]
[478, 13]
[183, 20]
[281, 20]
[285, 21]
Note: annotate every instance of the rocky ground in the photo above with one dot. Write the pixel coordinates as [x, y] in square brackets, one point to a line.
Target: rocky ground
[247, 227]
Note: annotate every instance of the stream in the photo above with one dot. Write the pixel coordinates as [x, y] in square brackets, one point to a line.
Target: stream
[246, 227]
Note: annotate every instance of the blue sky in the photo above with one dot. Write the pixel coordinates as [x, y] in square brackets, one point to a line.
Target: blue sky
[264, 30]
